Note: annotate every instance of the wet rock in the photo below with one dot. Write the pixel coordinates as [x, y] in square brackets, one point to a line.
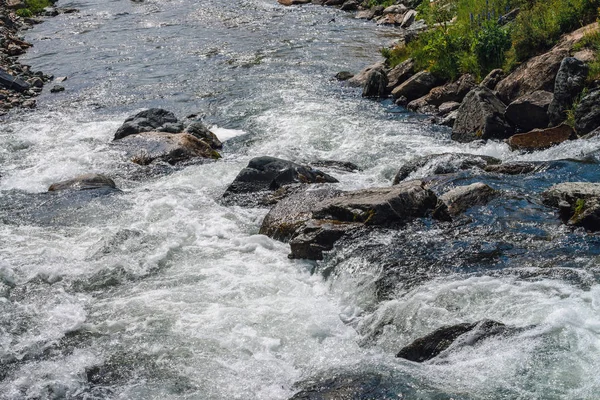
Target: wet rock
[334, 2]
[293, 2]
[432, 345]
[587, 113]
[539, 73]
[539, 139]
[400, 73]
[376, 84]
[481, 116]
[344, 166]
[530, 111]
[416, 86]
[11, 82]
[57, 89]
[514, 168]
[445, 163]
[343, 75]
[84, 182]
[347, 387]
[153, 119]
[493, 78]
[361, 78]
[350, 5]
[449, 119]
[267, 174]
[317, 236]
[570, 81]
[199, 130]
[173, 148]
[578, 203]
[460, 199]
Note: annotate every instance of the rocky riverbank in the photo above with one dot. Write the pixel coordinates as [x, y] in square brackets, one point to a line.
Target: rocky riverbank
[19, 84]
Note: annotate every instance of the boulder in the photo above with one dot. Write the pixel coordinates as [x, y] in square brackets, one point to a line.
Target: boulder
[449, 119]
[334, 2]
[445, 163]
[460, 199]
[361, 78]
[350, 5]
[416, 86]
[570, 81]
[84, 182]
[268, 174]
[395, 9]
[578, 203]
[344, 75]
[587, 113]
[435, 343]
[530, 111]
[366, 14]
[11, 82]
[364, 386]
[448, 107]
[408, 19]
[493, 78]
[539, 73]
[454, 91]
[376, 84]
[153, 119]
[421, 106]
[539, 139]
[293, 2]
[317, 236]
[173, 148]
[400, 73]
[199, 130]
[481, 116]
[390, 19]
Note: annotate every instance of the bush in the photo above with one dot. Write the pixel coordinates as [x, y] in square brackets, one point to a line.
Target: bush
[490, 45]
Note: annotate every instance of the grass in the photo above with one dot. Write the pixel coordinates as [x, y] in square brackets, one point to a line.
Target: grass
[468, 37]
[33, 7]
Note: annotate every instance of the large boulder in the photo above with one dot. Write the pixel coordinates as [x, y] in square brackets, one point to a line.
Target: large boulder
[570, 81]
[481, 116]
[376, 84]
[153, 119]
[361, 78]
[578, 203]
[530, 111]
[400, 73]
[539, 73]
[539, 139]
[445, 163]
[84, 182]
[416, 86]
[460, 199]
[454, 91]
[268, 174]
[173, 148]
[587, 113]
[435, 343]
[493, 78]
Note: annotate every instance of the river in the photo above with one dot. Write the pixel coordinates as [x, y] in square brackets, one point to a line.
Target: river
[162, 292]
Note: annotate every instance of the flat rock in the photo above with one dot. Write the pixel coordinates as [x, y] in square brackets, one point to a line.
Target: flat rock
[400, 73]
[173, 148]
[530, 111]
[460, 199]
[84, 182]
[539, 139]
[416, 86]
[578, 203]
[481, 116]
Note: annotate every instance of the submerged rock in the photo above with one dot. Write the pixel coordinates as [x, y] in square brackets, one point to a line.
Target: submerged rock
[432, 345]
[346, 387]
[84, 182]
[462, 198]
[481, 116]
[268, 174]
[153, 119]
[445, 163]
[514, 168]
[578, 203]
[539, 139]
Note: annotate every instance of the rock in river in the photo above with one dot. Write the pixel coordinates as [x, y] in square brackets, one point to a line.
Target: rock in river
[462, 198]
[153, 119]
[578, 203]
[84, 182]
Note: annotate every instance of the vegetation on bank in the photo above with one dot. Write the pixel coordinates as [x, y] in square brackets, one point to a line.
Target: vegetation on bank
[476, 36]
[33, 7]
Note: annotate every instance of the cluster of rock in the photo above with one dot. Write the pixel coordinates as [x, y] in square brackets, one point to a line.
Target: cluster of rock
[19, 85]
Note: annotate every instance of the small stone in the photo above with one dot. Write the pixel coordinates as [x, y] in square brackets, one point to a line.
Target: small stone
[57, 88]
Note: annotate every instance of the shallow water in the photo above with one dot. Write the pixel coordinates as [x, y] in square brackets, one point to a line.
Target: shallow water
[162, 292]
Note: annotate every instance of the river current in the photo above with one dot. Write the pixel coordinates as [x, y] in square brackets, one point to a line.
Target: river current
[162, 292]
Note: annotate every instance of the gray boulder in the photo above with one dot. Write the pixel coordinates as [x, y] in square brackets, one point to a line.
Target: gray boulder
[376, 84]
[530, 111]
[587, 113]
[153, 119]
[400, 73]
[481, 116]
[361, 78]
[578, 203]
[570, 81]
[416, 86]
[408, 19]
[460, 199]
[493, 78]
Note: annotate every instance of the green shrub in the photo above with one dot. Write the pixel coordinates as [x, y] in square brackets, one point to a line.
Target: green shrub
[24, 13]
[490, 44]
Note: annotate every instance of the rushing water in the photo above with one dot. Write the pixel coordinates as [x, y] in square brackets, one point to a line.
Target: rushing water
[162, 292]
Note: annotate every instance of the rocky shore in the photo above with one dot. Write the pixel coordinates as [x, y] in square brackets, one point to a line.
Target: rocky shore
[19, 84]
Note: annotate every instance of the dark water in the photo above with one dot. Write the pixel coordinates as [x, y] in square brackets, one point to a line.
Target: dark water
[162, 292]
